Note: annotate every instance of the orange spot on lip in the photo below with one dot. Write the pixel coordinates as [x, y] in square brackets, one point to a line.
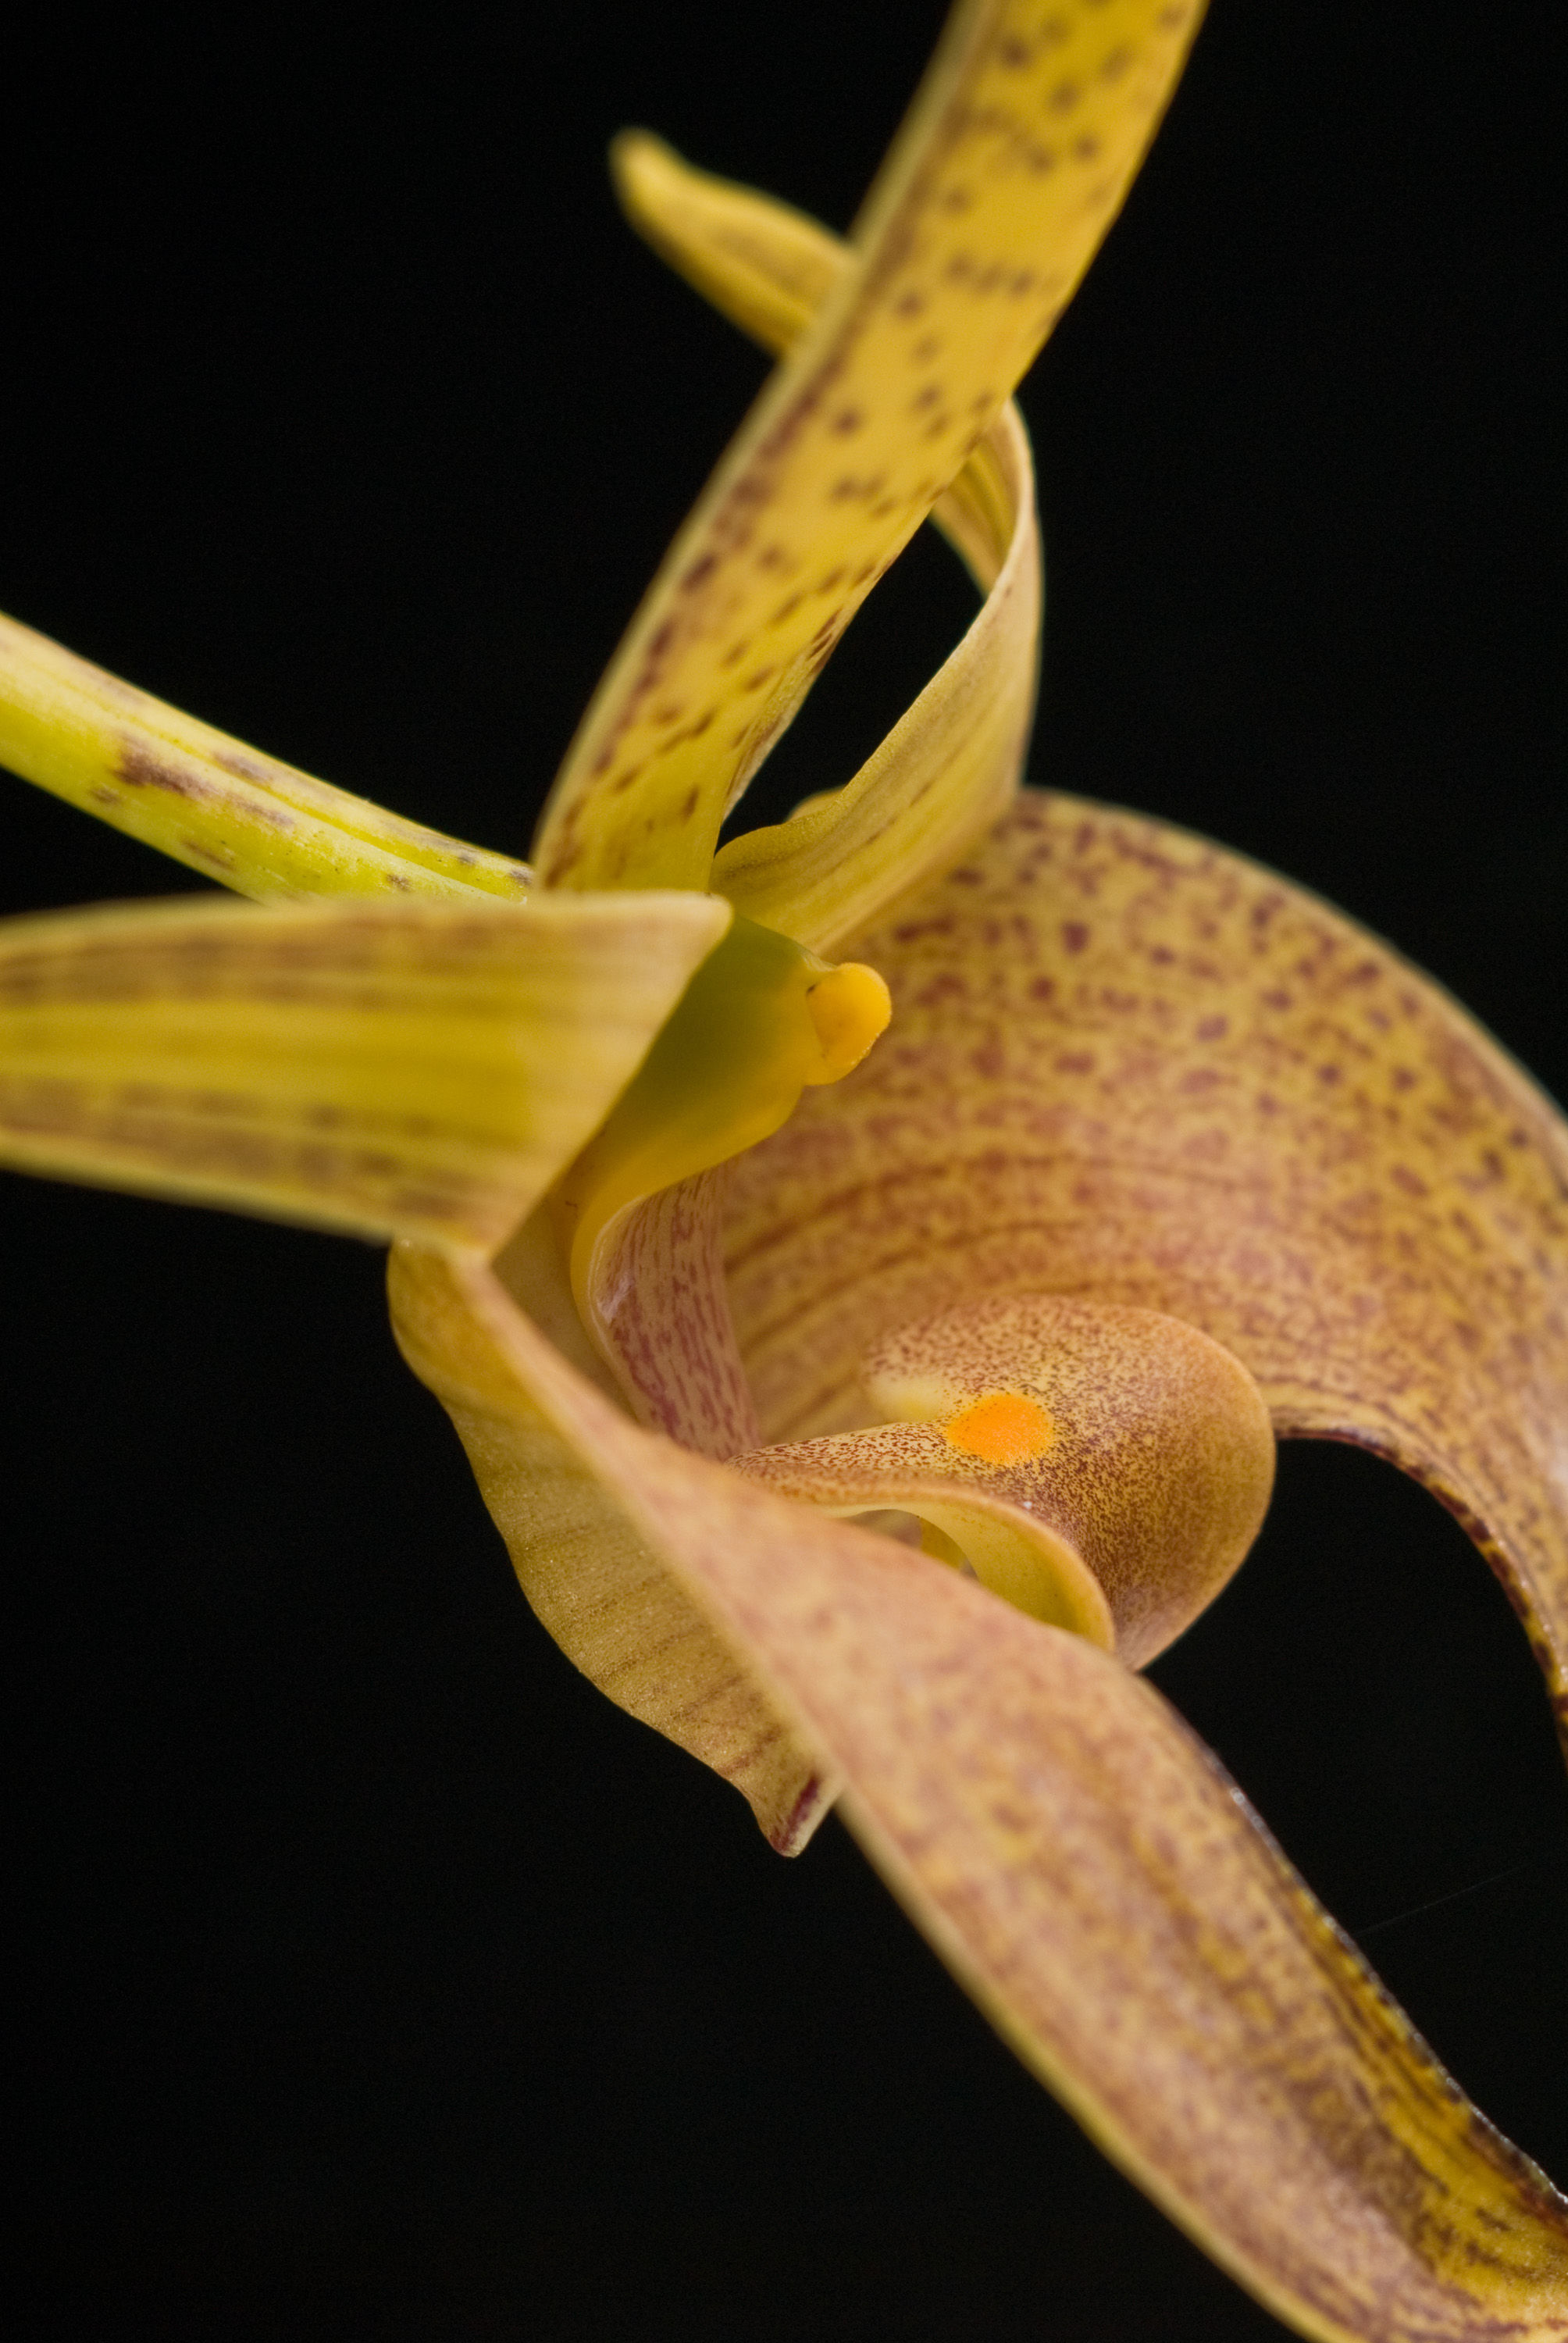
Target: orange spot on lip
[1003, 1428]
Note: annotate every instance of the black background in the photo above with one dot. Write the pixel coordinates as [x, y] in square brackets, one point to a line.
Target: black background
[379, 1977]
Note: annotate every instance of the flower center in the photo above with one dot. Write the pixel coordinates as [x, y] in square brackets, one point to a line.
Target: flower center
[762, 1020]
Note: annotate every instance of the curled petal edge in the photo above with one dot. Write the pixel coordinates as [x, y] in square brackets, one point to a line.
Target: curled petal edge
[1187, 1085]
[1090, 1875]
[604, 1592]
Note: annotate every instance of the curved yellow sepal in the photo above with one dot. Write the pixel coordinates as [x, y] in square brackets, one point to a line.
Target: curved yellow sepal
[948, 768]
[412, 1068]
[210, 802]
[768, 268]
[604, 1593]
[1010, 168]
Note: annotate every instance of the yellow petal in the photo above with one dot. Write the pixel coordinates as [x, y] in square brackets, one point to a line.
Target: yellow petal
[1126, 1064]
[948, 770]
[765, 264]
[1105, 1469]
[1010, 168]
[1093, 1877]
[209, 801]
[422, 1068]
[945, 773]
[604, 1593]
[769, 268]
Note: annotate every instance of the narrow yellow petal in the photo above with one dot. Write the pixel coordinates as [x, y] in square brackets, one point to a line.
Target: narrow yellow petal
[604, 1593]
[382, 1069]
[1131, 1066]
[1010, 168]
[765, 264]
[209, 801]
[769, 268]
[949, 768]
[1097, 1882]
[946, 771]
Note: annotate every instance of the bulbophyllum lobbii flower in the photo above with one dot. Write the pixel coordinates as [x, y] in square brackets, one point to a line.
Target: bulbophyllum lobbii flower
[1159, 1159]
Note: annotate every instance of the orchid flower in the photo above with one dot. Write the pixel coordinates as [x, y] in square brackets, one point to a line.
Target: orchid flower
[1159, 1159]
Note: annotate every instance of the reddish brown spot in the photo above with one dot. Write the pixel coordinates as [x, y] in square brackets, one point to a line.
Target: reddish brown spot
[1074, 935]
[243, 766]
[139, 769]
[218, 857]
